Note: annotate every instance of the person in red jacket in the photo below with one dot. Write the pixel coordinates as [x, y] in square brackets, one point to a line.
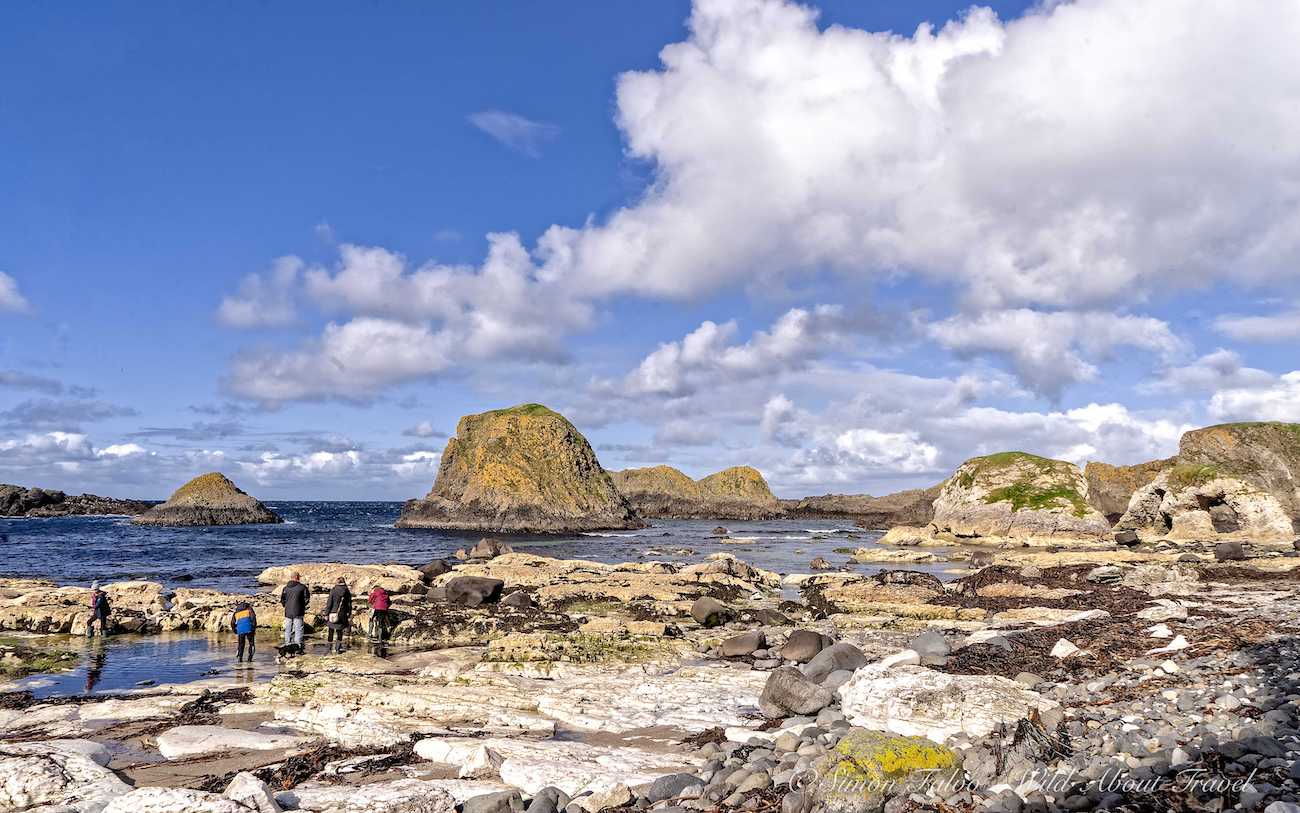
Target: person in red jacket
[379, 611]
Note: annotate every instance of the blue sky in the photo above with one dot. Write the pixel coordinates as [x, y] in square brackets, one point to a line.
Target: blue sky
[256, 238]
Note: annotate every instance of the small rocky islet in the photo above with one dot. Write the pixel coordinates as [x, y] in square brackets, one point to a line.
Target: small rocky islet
[209, 499]
[1069, 664]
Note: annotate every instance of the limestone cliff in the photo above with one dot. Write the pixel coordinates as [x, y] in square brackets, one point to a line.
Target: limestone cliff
[1237, 480]
[525, 469]
[664, 492]
[1111, 487]
[209, 499]
[1016, 495]
[17, 501]
[911, 507]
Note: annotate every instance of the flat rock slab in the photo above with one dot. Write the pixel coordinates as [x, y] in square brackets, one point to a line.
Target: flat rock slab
[314, 796]
[405, 795]
[195, 740]
[573, 767]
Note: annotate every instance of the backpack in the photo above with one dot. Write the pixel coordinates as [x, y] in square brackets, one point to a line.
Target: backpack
[379, 599]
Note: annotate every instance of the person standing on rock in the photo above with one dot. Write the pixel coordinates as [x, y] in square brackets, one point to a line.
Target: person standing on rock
[379, 612]
[99, 611]
[338, 612]
[294, 597]
[243, 622]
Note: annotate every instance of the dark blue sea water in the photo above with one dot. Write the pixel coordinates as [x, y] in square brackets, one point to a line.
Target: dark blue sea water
[77, 550]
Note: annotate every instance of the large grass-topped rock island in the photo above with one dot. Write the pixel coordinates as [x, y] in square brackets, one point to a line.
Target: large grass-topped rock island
[524, 469]
[209, 499]
[1012, 497]
[739, 492]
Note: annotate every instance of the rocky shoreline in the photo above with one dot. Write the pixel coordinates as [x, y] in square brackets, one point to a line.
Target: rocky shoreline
[1150, 678]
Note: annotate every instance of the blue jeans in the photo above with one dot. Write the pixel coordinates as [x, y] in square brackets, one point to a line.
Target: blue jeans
[293, 631]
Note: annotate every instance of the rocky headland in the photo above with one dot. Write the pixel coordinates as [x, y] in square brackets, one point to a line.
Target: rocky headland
[17, 501]
[525, 469]
[911, 507]
[209, 499]
[663, 492]
[1236, 481]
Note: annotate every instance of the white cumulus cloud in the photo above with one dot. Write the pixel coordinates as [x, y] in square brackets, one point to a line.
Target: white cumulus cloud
[11, 299]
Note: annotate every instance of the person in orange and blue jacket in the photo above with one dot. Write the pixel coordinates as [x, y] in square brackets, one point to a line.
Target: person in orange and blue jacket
[243, 622]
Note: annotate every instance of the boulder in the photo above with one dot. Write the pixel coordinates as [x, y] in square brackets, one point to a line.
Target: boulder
[548, 800]
[1229, 552]
[253, 793]
[209, 499]
[788, 691]
[919, 702]
[525, 469]
[739, 646]
[361, 579]
[865, 768]
[1016, 495]
[433, 570]
[1127, 538]
[519, 600]
[931, 648]
[820, 564]
[504, 801]
[833, 658]
[710, 612]
[481, 764]
[473, 591]
[803, 645]
[666, 493]
[489, 549]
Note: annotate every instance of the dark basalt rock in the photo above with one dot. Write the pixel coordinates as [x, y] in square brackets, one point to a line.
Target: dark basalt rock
[17, 501]
[473, 591]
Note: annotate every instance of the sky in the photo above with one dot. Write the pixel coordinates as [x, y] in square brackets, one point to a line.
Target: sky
[851, 244]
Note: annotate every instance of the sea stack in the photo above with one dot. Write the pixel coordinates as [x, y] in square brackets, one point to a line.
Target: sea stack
[1231, 481]
[664, 492]
[524, 469]
[1016, 495]
[209, 499]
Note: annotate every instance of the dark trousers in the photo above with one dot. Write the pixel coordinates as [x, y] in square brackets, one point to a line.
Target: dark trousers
[246, 638]
[381, 623]
[332, 633]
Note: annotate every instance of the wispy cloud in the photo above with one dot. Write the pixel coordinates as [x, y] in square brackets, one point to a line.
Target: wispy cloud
[514, 131]
[11, 299]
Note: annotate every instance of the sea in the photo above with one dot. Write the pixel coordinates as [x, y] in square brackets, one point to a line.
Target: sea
[80, 550]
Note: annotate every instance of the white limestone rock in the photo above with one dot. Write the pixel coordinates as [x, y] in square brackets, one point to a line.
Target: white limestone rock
[174, 800]
[397, 796]
[195, 740]
[915, 701]
[252, 792]
[43, 775]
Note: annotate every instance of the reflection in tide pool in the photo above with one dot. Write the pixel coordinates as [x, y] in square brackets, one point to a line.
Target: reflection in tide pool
[125, 662]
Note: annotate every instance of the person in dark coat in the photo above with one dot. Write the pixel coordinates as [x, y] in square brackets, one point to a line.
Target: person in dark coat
[294, 597]
[243, 622]
[338, 612]
[99, 611]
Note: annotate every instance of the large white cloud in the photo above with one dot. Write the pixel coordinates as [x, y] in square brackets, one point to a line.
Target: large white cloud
[1272, 327]
[1051, 350]
[1280, 401]
[1087, 156]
